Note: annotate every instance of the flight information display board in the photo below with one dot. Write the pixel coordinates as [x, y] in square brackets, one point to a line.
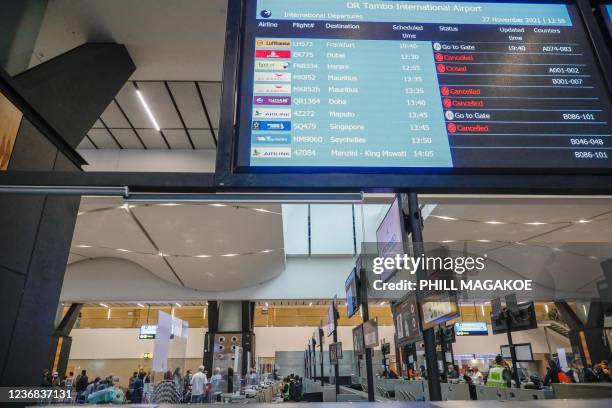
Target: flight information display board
[607, 15]
[327, 85]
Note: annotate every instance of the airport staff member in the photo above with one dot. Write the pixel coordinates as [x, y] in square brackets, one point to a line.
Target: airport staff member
[499, 376]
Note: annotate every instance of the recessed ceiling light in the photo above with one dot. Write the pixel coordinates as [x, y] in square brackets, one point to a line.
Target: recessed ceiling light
[218, 205]
[103, 305]
[83, 246]
[536, 223]
[583, 221]
[230, 255]
[147, 110]
[483, 240]
[265, 251]
[140, 304]
[203, 256]
[494, 222]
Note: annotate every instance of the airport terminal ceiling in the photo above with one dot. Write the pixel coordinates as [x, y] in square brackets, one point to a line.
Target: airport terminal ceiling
[199, 249]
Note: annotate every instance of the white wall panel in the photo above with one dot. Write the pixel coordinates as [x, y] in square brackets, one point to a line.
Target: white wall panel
[295, 228]
[331, 229]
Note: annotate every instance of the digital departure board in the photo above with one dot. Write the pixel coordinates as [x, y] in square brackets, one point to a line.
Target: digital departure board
[328, 85]
[607, 15]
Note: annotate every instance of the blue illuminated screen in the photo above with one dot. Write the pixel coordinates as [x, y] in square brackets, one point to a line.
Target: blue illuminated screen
[332, 84]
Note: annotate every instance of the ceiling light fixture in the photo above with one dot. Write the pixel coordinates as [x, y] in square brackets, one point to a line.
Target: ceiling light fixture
[483, 240]
[218, 205]
[161, 254]
[494, 222]
[447, 241]
[202, 256]
[230, 255]
[123, 250]
[583, 221]
[536, 223]
[140, 305]
[265, 251]
[168, 204]
[444, 217]
[146, 108]
[83, 246]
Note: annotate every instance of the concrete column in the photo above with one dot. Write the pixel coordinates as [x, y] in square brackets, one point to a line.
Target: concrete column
[36, 231]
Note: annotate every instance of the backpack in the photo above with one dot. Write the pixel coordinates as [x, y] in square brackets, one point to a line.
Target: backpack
[564, 378]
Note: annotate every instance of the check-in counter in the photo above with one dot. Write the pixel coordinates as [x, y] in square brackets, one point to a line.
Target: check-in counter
[485, 393]
[329, 393]
[411, 390]
[579, 391]
[310, 386]
[455, 392]
[385, 387]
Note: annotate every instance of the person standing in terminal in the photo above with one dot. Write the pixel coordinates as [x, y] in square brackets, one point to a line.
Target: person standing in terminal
[81, 384]
[552, 375]
[499, 375]
[137, 389]
[166, 392]
[198, 382]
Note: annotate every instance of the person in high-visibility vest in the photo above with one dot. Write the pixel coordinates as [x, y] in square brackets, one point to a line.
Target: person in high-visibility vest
[499, 375]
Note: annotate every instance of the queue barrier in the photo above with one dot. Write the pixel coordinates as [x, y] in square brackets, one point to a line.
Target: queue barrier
[412, 390]
[455, 392]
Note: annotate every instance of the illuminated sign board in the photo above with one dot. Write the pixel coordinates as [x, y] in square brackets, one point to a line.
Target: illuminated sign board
[10, 119]
[392, 86]
[471, 329]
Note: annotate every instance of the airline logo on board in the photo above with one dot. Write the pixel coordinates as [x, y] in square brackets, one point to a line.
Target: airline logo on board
[271, 152]
[272, 100]
[272, 139]
[272, 43]
[273, 76]
[280, 54]
[272, 125]
[272, 65]
[272, 113]
[272, 89]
